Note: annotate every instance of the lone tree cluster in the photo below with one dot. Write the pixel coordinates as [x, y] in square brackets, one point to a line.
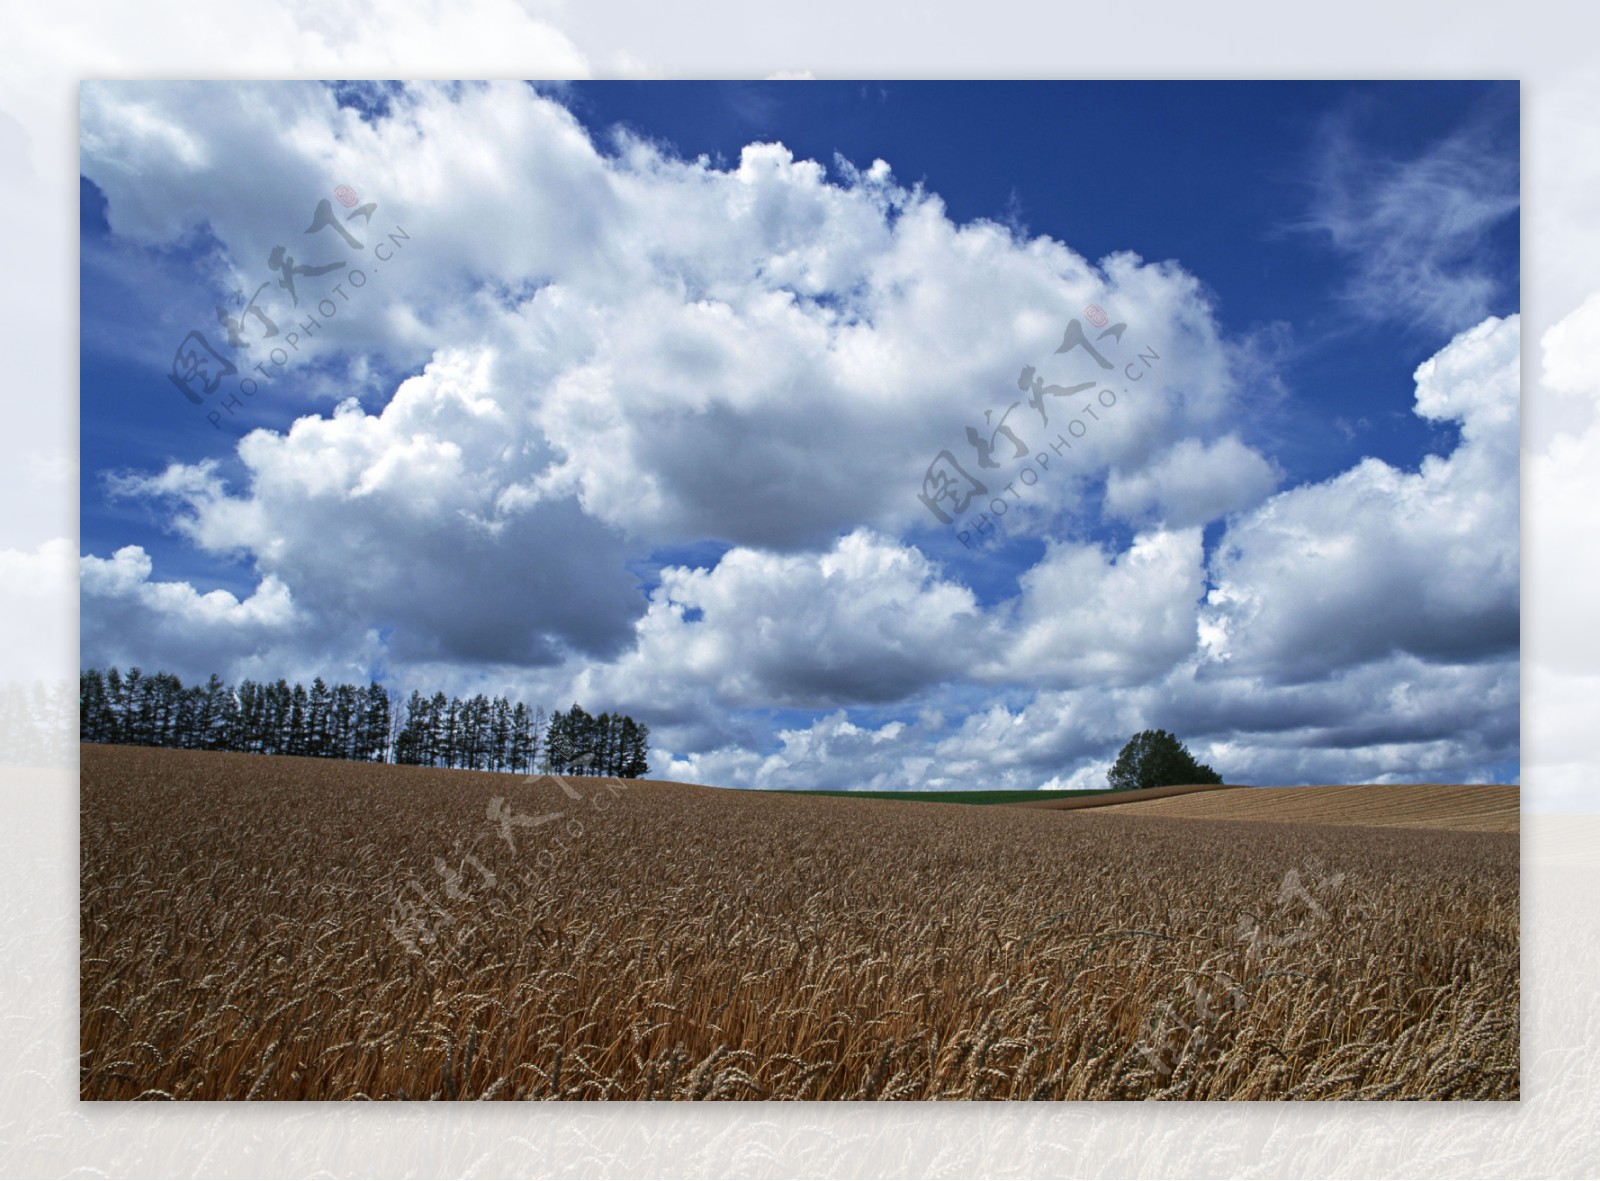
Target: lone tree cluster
[1155, 758]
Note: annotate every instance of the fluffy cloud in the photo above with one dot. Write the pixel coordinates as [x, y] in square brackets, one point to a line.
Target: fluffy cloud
[805, 757]
[1089, 617]
[1361, 628]
[1376, 560]
[617, 357]
[761, 355]
[1193, 483]
[401, 521]
[868, 621]
[1396, 720]
[127, 616]
[663, 352]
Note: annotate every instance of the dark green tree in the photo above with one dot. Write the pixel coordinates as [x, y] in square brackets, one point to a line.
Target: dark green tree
[217, 715]
[96, 723]
[412, 744]
[116, 707]
[558, 751]
[1155, 758]
[500, 734]
[635, 749]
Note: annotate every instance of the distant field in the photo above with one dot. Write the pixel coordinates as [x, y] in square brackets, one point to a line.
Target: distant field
[1107, 799]
[289, 928]
[956, 797]
[1463, 807]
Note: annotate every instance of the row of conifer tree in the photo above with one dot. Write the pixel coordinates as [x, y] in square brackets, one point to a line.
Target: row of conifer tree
[367, 724]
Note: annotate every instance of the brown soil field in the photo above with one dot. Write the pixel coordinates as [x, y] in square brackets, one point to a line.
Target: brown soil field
[283, 928]
[1463, 807]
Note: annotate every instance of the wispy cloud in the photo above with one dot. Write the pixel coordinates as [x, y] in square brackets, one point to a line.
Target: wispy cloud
[1415, 230]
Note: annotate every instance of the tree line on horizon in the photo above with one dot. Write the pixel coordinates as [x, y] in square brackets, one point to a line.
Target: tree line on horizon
[362, 724]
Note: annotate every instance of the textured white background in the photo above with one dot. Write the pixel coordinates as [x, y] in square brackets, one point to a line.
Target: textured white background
[1554, 1131]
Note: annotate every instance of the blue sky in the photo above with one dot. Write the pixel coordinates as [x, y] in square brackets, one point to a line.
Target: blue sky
[670, 389]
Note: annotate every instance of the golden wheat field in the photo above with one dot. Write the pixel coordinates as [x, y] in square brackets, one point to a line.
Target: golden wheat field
[282, 928]
[1493, 807]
